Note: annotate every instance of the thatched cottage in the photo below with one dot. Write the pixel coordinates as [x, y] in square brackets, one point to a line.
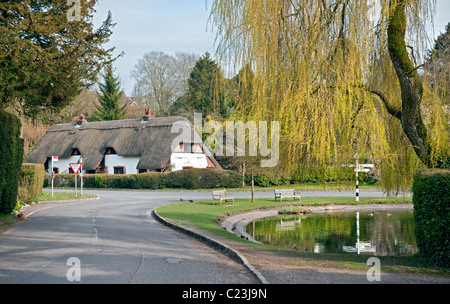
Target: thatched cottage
[128, 146]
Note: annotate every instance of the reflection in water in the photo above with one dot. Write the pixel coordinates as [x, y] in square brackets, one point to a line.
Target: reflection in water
[375, 233]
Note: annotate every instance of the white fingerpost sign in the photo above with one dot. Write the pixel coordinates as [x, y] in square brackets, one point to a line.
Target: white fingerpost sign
[359, 168]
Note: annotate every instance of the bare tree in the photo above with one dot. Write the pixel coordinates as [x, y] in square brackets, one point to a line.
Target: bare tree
[162, 78]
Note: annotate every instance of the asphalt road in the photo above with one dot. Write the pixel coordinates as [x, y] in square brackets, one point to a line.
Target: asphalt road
[115, 240]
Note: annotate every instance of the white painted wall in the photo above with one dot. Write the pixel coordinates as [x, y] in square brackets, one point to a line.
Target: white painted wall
[63, 164]
[129, 162]
[180, 160]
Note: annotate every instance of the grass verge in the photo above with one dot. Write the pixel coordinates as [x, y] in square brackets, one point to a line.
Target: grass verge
[63, 196]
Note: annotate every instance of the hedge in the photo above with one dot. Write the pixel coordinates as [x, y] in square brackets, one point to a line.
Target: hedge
[184, 179]
[431, 200]
[31, 182]
[11, 154]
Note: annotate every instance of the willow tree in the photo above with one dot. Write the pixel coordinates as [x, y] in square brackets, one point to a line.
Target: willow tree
[342, 77]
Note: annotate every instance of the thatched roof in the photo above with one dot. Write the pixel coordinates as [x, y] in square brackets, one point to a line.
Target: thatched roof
[152, 141]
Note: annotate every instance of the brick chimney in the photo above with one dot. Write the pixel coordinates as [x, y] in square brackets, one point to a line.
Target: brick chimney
[81, 120]
[148, 115]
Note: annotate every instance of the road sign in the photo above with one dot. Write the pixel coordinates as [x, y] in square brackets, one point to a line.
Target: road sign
[81, 174]
[75, 167]
[54, 159]
[359, 168]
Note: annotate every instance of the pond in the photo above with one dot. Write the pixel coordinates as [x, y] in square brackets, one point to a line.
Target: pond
[377, 233]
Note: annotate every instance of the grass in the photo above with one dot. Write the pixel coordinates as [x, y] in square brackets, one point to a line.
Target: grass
[205, 216]
[7, 221]
[62, 196]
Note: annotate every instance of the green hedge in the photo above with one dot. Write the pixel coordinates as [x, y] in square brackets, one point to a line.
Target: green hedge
[431, 198]
[31, 182]
[11, 153]
[185, 179]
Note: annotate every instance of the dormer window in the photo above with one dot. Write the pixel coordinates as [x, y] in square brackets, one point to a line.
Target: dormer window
[110, 151]
[188, 148]
[75, 152]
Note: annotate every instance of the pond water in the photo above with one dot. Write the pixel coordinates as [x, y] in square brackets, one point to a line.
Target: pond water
[377, 233]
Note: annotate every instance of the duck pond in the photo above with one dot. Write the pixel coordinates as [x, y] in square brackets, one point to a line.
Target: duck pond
[377, 233]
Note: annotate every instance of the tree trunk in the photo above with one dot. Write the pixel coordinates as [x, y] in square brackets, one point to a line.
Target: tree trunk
[410, 84]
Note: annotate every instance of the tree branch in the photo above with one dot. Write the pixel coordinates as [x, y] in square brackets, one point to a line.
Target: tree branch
[390, 109]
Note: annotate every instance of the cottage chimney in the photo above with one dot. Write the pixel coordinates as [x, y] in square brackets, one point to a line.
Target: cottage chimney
[81, 120]
[148, 114]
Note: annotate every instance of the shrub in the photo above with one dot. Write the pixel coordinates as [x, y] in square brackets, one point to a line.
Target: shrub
[11, 153]
[261, 180]
[31, 182]
[98, 180]
[431, 200]
[184, 179]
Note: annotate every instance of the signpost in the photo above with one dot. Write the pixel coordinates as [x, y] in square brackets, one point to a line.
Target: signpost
[359, 168]
[54, 161]
[75, 168]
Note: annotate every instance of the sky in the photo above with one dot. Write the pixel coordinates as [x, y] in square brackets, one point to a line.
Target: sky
[174, 26]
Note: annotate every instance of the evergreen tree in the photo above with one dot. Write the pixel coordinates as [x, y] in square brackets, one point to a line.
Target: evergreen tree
[206, 90]
[46, 60]
[109, 98]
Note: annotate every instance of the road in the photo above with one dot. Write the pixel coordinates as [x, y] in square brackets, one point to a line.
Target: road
[115, 240]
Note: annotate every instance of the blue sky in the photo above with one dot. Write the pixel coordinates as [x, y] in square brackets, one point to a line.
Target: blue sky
[174, 25]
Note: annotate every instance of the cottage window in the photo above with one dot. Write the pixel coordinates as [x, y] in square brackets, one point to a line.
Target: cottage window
[119, 170]
[188, 148]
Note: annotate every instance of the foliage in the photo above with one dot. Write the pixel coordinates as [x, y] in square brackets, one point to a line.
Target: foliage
[45, 59]
[207, 93]
[11, 153]
[328, 72]
[31, 182]
[109, 98]
[184, 179]
[431, 200]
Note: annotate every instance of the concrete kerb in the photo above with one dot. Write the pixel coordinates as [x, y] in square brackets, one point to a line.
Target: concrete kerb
[233, 254]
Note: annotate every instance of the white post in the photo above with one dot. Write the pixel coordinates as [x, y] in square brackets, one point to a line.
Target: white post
[51, 175]
[81, 171]
[76, 188]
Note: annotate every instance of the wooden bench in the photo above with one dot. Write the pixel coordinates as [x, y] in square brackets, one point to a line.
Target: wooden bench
[286, 193]
[221, 196]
